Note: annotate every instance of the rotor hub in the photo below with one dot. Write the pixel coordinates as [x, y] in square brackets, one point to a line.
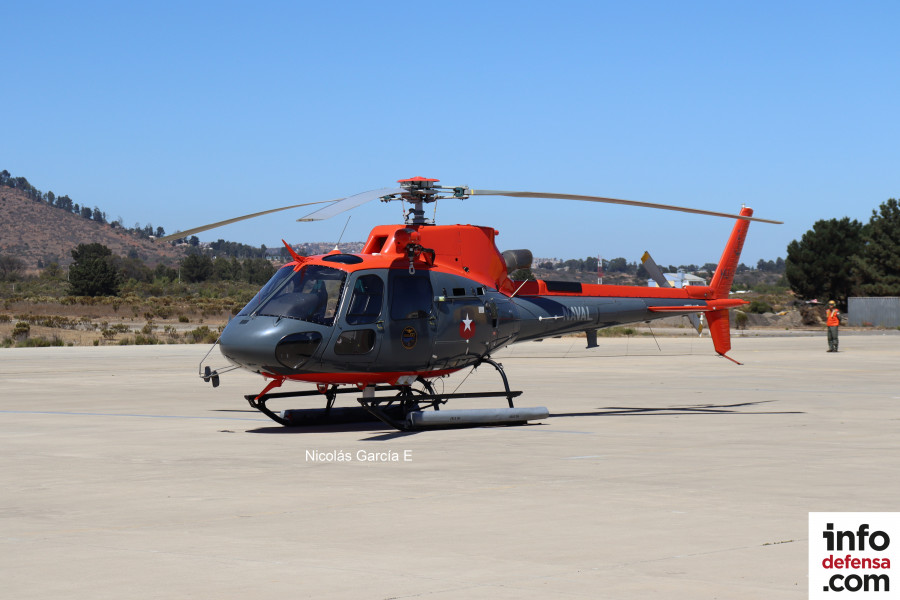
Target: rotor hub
[418, 191]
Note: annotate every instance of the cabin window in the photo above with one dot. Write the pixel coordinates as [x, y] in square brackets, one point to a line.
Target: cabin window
[411, 296]
[359, 341]
[368, 296]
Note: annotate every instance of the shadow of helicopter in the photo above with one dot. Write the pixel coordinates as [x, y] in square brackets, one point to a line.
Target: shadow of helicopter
[370, 427]
[696, 409]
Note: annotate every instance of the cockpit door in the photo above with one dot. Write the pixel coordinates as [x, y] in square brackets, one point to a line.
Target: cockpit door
[359, 329]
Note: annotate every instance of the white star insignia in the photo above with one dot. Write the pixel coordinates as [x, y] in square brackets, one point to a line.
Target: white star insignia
[467, 322]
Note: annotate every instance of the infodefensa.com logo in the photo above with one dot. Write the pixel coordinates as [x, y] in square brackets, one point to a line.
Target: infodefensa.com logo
[850, 554]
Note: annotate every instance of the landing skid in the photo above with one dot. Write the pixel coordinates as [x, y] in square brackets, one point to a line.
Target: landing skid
[405, 410]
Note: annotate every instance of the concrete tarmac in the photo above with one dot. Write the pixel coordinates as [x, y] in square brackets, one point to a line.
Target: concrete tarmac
[662, 472]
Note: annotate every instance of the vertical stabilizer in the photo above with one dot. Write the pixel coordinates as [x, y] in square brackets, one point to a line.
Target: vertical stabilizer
[724, 277]
[720, 320]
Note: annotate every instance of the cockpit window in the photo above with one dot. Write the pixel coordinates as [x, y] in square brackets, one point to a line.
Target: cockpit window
[310, 294]
[365, 304]
[277, 279]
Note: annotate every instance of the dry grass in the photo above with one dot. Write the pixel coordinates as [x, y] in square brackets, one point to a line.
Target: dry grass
[77, 324]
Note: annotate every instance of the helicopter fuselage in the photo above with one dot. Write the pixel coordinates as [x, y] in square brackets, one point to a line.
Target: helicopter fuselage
[423, 301]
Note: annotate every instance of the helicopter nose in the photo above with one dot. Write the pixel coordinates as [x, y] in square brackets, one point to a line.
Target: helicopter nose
[266, 344]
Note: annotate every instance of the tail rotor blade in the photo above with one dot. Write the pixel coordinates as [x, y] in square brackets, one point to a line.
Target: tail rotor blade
[654, 271]
[696, 320]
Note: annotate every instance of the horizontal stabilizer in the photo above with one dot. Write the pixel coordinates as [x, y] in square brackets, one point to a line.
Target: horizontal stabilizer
[680, 309]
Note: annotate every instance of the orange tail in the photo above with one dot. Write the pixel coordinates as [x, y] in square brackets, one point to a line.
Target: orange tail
[719, 320]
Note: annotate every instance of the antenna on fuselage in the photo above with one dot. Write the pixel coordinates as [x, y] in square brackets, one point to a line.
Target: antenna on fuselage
[341, 236]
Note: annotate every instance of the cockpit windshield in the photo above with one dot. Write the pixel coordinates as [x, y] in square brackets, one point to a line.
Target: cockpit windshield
[310, 294]
[273, 284]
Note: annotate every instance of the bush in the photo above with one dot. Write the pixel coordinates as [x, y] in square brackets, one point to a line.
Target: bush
[201, 335]
[40, 342]
[144, 340]
[21, 330]
[759, 307]
[740, 319]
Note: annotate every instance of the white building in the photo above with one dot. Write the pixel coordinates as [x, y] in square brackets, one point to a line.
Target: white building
[679, 280]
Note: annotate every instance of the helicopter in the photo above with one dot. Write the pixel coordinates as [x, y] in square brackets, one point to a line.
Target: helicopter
[421, 301]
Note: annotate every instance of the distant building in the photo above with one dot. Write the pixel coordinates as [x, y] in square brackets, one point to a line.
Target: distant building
[874, 312]
[679, 280]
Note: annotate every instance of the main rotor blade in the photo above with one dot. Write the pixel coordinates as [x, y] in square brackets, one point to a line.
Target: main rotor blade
[472, 192]
[344, 204]
[182, 234]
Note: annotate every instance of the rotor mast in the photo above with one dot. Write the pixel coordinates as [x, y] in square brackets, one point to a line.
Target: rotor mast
[419, 191]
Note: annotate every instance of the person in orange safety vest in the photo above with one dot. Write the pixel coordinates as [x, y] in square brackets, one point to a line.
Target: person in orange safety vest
[832, 320]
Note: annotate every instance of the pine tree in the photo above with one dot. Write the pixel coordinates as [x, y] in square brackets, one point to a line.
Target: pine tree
[821, 264]
[93, 272]
[878, 264]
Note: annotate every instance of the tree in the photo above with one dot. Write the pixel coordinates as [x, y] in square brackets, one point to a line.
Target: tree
[165, 273]
[196, 268]
[10, 266]
[642, 274]
[93, 272]
[764, 265]
[617, 265]
[134, 268]
[878, 264]
[53, 272]
[779, 265]
[820, 265]
[225, 269]
[258, 270]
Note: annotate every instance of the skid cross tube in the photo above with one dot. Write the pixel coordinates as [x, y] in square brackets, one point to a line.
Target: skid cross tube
[509, 395]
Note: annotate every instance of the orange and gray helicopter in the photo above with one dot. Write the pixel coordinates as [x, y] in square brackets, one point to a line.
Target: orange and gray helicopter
[422, 301]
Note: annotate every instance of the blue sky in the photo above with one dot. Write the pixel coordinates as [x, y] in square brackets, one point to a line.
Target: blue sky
[180, 114]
